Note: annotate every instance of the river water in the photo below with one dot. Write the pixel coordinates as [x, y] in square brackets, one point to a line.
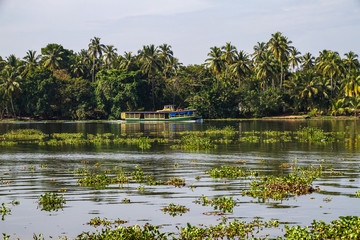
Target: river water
[24, 178]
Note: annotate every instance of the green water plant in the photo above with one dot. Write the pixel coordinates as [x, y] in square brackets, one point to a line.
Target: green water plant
[342, 228]
[193, 142]
[175, 181]
[226, 230]
[97, 221]
[145, 232]
[224, 204]
[4, 210]
[23, 134]
[314, 135]
[230, 172]
[357, 194]
[175, 210]
[51, 201]
[279, 187]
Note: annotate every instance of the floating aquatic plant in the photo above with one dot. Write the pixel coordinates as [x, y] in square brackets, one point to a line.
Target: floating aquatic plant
[175, 210]
[51, 201]
[4, 210]
[224, 204]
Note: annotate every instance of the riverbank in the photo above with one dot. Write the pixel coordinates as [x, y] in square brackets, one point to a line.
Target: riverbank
[282, 117]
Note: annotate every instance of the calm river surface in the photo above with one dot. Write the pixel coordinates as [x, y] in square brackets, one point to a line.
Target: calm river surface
[23, 179]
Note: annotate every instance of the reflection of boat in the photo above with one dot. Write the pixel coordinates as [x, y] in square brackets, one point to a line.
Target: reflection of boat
[167, 114]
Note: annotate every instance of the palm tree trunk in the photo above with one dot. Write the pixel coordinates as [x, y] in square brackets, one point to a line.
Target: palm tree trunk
[281, 77]
[93, 71]
[12, 106]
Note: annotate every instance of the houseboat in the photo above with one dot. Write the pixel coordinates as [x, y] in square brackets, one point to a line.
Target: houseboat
[168, 113]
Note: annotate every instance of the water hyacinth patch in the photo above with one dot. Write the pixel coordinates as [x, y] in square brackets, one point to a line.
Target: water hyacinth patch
[51, 201]
[175, 210]
[343, 228]
[224, 204]
[193, 142]
[4, 210]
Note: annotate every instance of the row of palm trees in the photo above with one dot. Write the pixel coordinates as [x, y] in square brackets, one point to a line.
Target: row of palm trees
[309, 81]
[281, 65]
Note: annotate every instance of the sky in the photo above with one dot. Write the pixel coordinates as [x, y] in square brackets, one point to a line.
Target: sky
[191, 27]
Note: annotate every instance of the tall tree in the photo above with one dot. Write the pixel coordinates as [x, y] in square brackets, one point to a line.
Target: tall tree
[10, 84]
[95, 49]
[259, 51]
[294, 58]
[307, 61]
[351, 61]
[329, 64]
[52, 59]
[215, 62]
[265, 69]
[110, 55]
[240, 66]
[31, 61]
[165, 53]
[151, 65]
[280, 46]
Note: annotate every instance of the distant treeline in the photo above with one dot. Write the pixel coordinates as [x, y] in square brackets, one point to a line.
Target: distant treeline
[98, 83]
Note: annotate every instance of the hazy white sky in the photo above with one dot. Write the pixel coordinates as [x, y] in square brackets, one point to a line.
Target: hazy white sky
[191, 27]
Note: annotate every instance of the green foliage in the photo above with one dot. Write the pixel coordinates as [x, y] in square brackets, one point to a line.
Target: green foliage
[314, 135]
[343, 228]
[193, 142]
[51, 201]
[117, 91]
[175, 210]
[230, 230]
[296, 183]
[97, 221]
[4, 210]
[133, 232]
[357, 194]
[230, 172]
[224, 204]
[39, 95]
[23, 134]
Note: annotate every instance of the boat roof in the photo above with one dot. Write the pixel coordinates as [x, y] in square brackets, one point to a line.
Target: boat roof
[151, 112]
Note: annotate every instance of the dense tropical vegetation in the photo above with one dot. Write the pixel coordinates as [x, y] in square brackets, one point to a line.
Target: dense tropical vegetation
[99, 83]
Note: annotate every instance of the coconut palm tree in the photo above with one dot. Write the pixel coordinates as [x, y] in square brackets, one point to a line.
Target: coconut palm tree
[95, 49]
[329, 64]
[128, 61]
[52, 59]
[215, 62]
[150, 65]
[241, 65]
[307, 61]
[265, 69]
[165, 53]
[294, 58]
[279, 46]
[229, 52]
[351, 85]
[110, 55]
[10, 84]
[351, 61]
[259, 49]
[31, 61]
